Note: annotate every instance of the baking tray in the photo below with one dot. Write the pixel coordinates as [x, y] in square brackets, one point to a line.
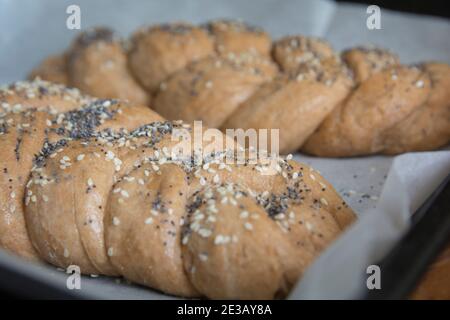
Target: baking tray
[405, 264]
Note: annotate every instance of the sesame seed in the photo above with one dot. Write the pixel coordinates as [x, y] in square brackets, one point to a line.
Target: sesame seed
[244, 214]
[205, 233]
[116, 221]
[149, 220]
[90, 182]
[203, 257]
[66, 253]
[80, 157]
[110, 252]
[218, 239]
[280, 216]
[110, 155]
[324, 201]
[195, 226]
[248, 226]
[198, 216]
[420, 84]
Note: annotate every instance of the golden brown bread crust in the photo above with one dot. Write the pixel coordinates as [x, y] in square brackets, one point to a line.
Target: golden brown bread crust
[53, 69]
[366, 61]
[435, 284]
[428, 127]
[357, 125]
[16, 165]
[80, 210]
[303, 98]
[210, 89]
[151, 254]
[99, 187]
[232, 37]
[98, 65]
[293, 51]
[27, 111]
[174, 64]
[158, 52]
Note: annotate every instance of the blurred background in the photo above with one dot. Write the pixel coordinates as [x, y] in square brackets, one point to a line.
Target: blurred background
[431, 7]
[30, 30]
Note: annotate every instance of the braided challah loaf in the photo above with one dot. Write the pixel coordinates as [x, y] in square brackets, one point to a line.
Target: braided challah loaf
[101, 184]
[230, 75]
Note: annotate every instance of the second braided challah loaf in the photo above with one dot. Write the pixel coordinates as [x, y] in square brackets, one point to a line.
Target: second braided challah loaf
[230, 75]
[100, 184]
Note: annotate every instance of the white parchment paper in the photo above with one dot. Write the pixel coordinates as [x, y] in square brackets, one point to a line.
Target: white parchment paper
[340, 273]
[384, 191]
